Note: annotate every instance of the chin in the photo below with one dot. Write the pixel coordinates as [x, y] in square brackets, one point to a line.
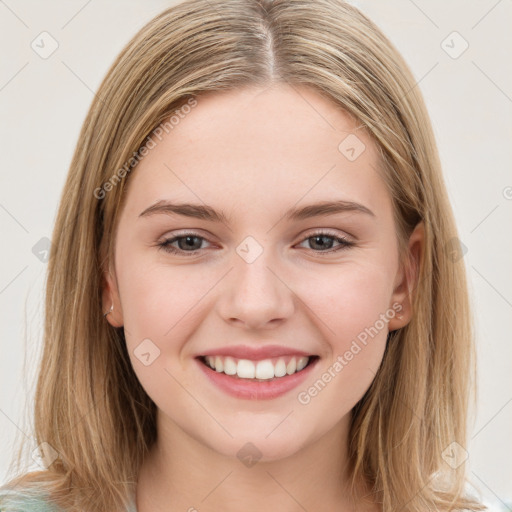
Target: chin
[251, 444]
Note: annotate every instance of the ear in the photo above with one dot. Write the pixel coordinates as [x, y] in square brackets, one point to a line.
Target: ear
[407, 279]
[110, 297]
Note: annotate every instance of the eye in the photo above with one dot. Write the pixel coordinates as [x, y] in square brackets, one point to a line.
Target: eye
[323, 240]
[189, 243]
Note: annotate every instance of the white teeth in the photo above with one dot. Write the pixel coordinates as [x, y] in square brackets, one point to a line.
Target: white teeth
[263, 370]
[229, 366]
[245, 369]
[280, 368]
[301, 363]
[291, 367]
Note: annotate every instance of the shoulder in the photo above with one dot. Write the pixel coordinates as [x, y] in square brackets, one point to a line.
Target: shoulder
[18, 501]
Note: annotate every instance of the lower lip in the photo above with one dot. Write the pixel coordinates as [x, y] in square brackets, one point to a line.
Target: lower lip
[256, 390]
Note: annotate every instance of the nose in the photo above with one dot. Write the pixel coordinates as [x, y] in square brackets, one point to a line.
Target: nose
[255, 294]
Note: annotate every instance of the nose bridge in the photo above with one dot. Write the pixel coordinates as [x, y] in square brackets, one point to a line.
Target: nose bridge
[253, 277]
[255, 294]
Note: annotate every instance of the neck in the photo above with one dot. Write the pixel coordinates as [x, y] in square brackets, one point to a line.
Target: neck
[181, 473]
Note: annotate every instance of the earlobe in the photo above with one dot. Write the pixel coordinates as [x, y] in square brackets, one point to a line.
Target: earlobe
[404, 291]
[111, 305]
[109, 311]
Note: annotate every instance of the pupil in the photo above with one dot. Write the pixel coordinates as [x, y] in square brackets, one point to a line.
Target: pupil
[321, 237]
[189, 241]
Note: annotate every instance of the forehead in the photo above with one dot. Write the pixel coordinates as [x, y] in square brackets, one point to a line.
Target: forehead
[254, 146]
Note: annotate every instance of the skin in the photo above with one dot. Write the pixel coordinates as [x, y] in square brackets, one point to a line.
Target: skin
[254, 153]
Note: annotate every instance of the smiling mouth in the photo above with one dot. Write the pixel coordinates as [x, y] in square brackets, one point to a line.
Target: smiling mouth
[266, 370]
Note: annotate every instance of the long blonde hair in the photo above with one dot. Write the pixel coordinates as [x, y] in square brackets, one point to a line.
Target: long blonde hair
[89, 404]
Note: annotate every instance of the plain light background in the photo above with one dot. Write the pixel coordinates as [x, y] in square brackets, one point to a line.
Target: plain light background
[43, 103]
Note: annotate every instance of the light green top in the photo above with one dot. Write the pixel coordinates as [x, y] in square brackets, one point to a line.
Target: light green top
[13, 501]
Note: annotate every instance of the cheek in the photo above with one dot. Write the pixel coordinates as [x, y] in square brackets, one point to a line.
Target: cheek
[158, 300]
[351, 307]
[164, 303]
[349, 301]
[160, 313]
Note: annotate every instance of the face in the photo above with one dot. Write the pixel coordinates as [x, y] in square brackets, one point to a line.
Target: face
[248, 273]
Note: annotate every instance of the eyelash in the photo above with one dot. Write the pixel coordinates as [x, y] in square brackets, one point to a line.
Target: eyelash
[165, 245]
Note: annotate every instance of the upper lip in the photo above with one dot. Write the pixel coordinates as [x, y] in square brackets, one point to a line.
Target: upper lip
[255, 353]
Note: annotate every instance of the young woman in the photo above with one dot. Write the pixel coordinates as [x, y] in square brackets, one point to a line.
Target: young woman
[254, 299]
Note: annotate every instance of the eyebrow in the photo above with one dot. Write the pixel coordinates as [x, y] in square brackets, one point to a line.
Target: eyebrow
[206, 212]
